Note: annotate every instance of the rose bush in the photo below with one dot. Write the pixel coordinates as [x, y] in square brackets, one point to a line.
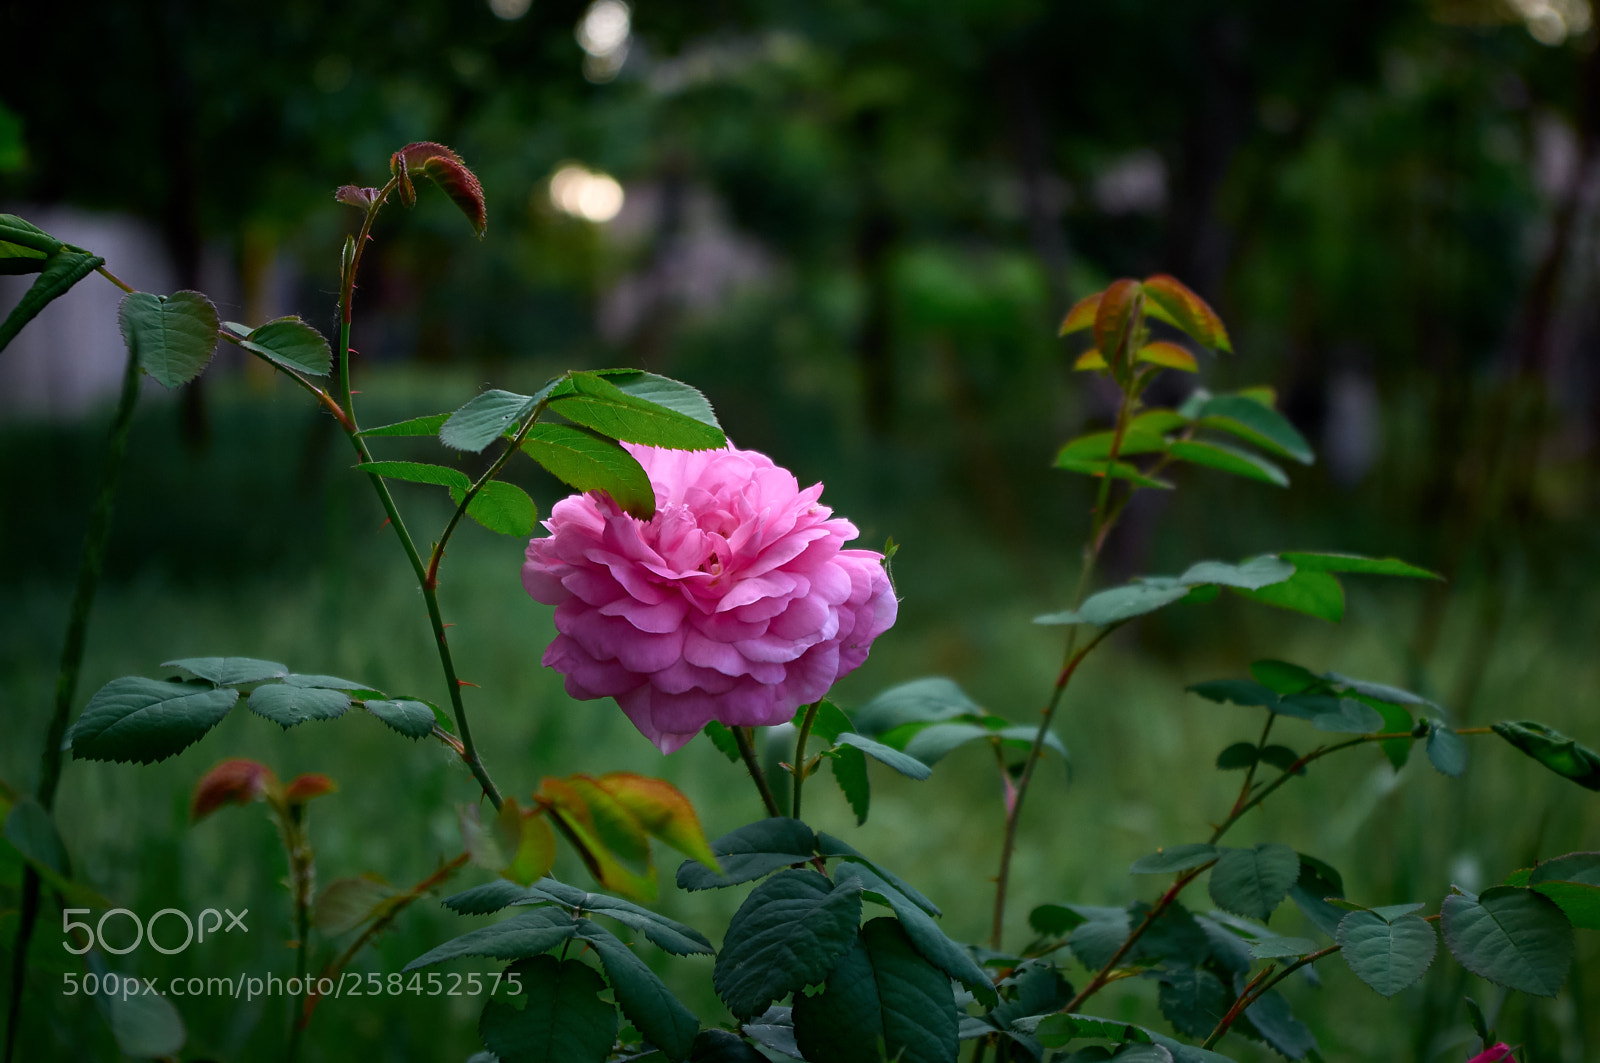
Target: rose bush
[736, 602]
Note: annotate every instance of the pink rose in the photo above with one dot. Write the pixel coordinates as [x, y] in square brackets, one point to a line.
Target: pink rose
[1500, 1053]
[736, 602]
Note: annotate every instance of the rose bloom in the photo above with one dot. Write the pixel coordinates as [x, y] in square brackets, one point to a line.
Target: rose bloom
[1500, 1053]
[736, 602]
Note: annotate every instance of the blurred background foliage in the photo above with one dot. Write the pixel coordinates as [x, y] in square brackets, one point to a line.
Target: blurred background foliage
[855, 226]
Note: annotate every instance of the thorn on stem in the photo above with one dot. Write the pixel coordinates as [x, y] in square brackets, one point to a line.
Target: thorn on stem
[464, 683]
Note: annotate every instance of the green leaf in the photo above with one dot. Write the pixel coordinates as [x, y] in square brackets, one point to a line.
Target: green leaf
[1316, 882]
[1356, 565]
[522, 935]
[925, 700]
[1284, 678]
[1281, 757]
[416, 426]
[668, 934]
[1096, 446]
[145, 1025]
[751, 852]
[485, 418]
[663, 391]
[787, 934]
[349, 902]
[1308, 591]
[1277, 948]
[930, 940]
[721, 1046]
[565, 1021]
[1276, 1024]
[881, 993]
[172, 336]
[1176, 858]
[1237, 757]
[829, 846]
[1193, 1001]
[28, 236]
[1097, 939]
[645, 1000]
[1151, 593]
[493, 896]
[1479, 1026]
[1514, 937]
[1446, 750]
[1054, 920]
[1247, 575]
[1253, 882]
[1228, 459]
[293, 344]
[594, 402]
[61, 271]
[286, 705]
[1257, 424]
[1562, 755]
[501, 507]
[1117, 470]
[1237, 691]
[900, 762]
[1573, 883]
[849, 766]
[29, 827]
[330, 682]
[1351, 718]
[230, 671]
[414, 719]
[418, 473]
[1388, 955]
[589, 461]
[146, 720]
[1378, 691]
[723, 740]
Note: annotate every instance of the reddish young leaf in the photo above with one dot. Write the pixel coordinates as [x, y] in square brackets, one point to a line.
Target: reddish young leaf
[360, 198]
[614, 823]
[1172, 301]
[462, 186]
[416, 155]
[235, 781]
[1114, 317]
[1081, 316]
[526, 840]
[1090, 359]
[662, 810]
[1168, 356]
[402, 174]
[303, 788]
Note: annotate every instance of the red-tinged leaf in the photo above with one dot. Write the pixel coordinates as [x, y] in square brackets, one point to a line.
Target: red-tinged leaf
[577, 822]
[1114, 317]
[235, 781]
[1090, 359]
[353, 196]
[613, 823]
[1081, 316]
[526, 837]
[663, 811]
[402, 175]
[414, 156]
[1173, 302]
[462, 186]
[1168, 356]
[303, 788]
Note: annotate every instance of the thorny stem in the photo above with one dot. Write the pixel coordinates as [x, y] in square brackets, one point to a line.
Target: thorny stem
[1100, 526]
[426, 575]
[800, 767]
[378, 926]
[302, 871]
[90, 564]
[1105, 974]
[741, 735]
[1250, 775]
[1248, 997]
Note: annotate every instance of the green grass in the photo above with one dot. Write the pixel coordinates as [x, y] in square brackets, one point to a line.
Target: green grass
[267, 545]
